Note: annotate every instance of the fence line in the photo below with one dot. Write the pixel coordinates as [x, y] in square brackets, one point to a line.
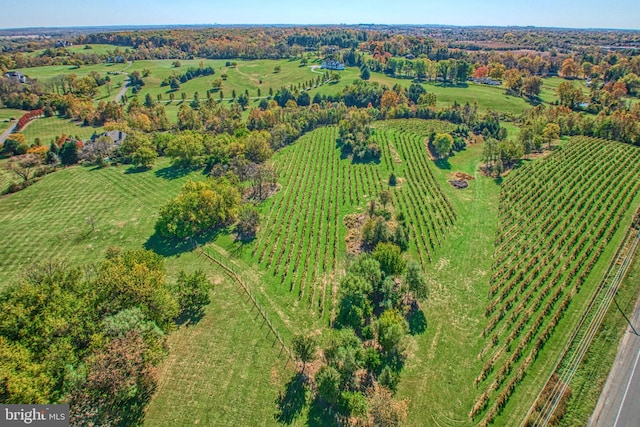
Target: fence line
[236, 277]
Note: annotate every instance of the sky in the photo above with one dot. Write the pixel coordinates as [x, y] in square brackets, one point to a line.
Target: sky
[542, 13]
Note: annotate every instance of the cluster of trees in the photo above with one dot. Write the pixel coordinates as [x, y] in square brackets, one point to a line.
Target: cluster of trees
[619, 125]
[192, 72]
[378, 227]
[363, 356]
[354, 136]
[92, 340]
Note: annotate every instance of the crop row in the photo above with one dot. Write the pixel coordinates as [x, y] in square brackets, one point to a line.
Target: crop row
[556, 217]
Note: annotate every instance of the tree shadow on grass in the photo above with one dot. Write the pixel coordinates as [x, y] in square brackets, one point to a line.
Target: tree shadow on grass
[175, 247]
[241, 244]
[417, 320]
[320, 415]
[443, 164]
[191, 317]
[292, 401]
[135, 169]
[173, 172]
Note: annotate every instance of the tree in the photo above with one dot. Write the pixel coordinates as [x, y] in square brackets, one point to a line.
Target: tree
[328, 384]
[569, 95]
[390, 258]
[258, 147]
[248, 222]
[392, 328]
[386, 411]
[175, 85]
[513, 81]
[531, 86]
[144, 157]
[24, 166]
[199, 207]
[192, 293]
[148, 101]
[364, 73]
[385, 198]
[551, 132]
[243, 100]
[443, 143]
[354, 306]
[393, 180]
[69, 153]
[304, 348]
[415, 281]
[186, 149]
[569, 68]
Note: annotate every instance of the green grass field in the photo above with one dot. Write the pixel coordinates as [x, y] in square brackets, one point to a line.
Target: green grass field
[47, 128]
[224, 371]
[6, 116]
[49, 218]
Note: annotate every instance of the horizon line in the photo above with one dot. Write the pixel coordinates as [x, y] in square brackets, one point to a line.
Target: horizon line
[362, 24]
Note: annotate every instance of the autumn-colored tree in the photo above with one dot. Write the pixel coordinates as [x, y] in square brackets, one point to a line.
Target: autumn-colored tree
[481, 72]
[570, 69]
[198, 208]
[531, 86]
[551, 132]
[513, 81]
[24, 166]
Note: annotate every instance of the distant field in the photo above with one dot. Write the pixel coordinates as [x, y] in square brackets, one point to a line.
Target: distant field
[47, 128]
[49, 218]
[550, 86]
[257, 75]
[98, 49]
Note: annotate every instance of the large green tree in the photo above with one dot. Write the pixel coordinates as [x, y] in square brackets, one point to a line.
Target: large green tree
[199, 207]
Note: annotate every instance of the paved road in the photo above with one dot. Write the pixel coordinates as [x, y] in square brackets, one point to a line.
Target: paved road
[124, 88]
[7, 132]
[618, 404]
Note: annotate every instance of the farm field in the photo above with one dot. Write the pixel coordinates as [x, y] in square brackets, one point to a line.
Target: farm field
[303, 233]
[573, 206]
[49, 219]
[294, 264]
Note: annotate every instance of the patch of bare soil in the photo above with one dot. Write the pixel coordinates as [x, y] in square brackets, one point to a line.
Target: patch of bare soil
[461, 176]
[429, 153]
[460, 180]
[354, 223]
[394, 154]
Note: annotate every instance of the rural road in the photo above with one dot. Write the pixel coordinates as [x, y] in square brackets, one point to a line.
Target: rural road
[124, 88]
[618, 403]
[6, 133]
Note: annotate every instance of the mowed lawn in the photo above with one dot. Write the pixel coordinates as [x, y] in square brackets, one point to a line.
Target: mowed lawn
[224, 371]
[47, 128]
[438, 376]
[53, 218]
[8, 117]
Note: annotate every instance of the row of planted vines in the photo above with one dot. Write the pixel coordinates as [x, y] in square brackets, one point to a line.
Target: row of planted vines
[302, 234]
[556, 218]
